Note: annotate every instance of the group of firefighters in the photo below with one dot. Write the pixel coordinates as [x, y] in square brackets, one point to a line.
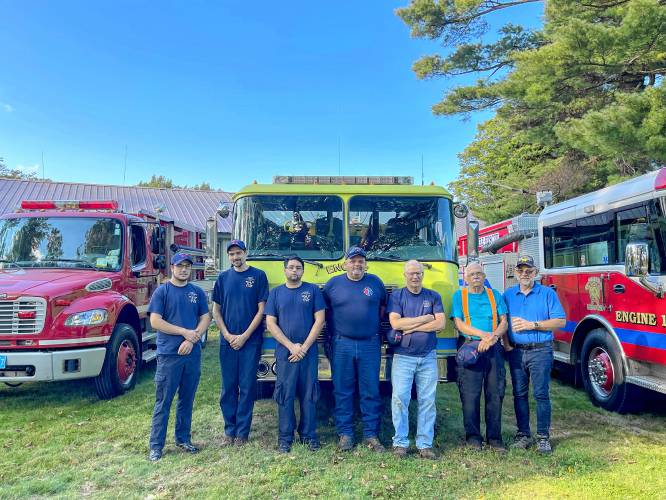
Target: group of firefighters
[517, 326]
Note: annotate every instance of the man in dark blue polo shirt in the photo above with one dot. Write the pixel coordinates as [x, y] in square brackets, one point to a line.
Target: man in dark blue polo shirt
[238, 309]
[534, 312]
[417, 312]
[356, 302]
[295, 316]
[179, 312]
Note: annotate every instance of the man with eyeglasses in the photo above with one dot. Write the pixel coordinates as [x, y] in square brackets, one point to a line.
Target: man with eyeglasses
[419, 314]
[295, 314]
[479, 314]
[534, 312]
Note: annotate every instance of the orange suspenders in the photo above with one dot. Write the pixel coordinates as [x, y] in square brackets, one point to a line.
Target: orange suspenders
[465, 305]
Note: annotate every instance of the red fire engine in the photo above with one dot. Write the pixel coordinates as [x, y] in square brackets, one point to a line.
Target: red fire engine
[605, 255]
[75, 282]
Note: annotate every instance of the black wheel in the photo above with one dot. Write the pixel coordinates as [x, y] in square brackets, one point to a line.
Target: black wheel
[13, 384]
[603, 372]
[121, 363]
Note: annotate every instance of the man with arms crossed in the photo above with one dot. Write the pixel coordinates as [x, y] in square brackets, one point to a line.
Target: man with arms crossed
[418, 312]
[479, 313]
[295, 315]
[356, 302]
[534, 312]
[238, 308]
[179, 312]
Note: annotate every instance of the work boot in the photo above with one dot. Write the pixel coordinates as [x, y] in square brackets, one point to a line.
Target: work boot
[427, 453]
[239, 441]
[399, 451]
[497, 445]
[226, 441]
[521, 442]
[475, 444]
[374, 444]
[346, 443]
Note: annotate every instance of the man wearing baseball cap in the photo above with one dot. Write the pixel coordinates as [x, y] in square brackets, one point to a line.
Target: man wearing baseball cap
[534, 312]
[356, 302]
[179, 312]
[238, 308]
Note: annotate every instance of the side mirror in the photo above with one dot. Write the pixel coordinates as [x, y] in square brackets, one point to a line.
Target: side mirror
[158, 241]
[637, 259]
[225, 208]
[460, 210]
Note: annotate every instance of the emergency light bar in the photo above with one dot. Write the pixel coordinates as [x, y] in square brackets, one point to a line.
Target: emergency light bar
[348, 180]
[76, 205]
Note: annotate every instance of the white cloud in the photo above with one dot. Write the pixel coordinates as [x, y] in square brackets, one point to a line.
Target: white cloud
[7, 107]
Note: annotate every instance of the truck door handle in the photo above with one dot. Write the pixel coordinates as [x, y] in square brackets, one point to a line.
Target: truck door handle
[553, 286]
[618, 288]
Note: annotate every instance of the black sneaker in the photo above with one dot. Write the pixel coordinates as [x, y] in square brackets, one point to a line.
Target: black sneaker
[346, 443]
[497, 445]
[475, 444]
[314, 445]
[284, 448]
[155, 455]
[521, 442]
[543, 445]
[188, 447]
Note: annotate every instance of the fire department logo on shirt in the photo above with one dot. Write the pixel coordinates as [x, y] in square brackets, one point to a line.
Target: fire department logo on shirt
[306, 296]
[594, 288]
[427, 304]
[249, 282]
[193, 297]
[367, 291]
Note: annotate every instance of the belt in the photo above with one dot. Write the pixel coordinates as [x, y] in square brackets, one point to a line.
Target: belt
[534, 345]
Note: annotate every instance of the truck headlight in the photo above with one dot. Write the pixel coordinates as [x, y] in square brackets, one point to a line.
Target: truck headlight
[92, 317]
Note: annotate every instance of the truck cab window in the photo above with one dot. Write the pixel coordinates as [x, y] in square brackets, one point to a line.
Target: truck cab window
[633, 225]
[137, 245]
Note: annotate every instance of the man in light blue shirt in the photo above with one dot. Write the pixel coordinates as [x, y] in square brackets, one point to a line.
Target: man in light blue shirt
[534, 312]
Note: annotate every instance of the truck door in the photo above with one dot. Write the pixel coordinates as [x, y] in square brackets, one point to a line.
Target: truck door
[141, 280]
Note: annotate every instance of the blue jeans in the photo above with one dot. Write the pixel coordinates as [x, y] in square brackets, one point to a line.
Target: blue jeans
[404, 371]
[535, 364]
[489, 375]
[239, 386]
[356, 361]
[174, 374]
[297, 379]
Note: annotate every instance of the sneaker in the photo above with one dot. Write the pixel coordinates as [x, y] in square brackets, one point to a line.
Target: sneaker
[399, 451]
[346, 443]
[374, 444]
[475, 444]
[188, 447]
[226, 441]
[314, 445]
[155, 455]
[284, 448]
[521, 442]
[427, 453]
[239, 441]
[543, 445]
[497, 445]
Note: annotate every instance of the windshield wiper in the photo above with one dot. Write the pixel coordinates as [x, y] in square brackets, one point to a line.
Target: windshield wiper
[77, 261]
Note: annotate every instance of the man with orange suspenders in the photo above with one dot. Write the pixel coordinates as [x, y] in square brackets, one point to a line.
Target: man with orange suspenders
[479, 314]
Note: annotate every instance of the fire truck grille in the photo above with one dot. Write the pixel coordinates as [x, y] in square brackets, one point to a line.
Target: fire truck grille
[23, 316]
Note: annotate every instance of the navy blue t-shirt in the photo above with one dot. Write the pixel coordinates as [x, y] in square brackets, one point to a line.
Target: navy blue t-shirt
[411, 305]
[354, 305]
[181, 306]
[239, 294]
[294, 309]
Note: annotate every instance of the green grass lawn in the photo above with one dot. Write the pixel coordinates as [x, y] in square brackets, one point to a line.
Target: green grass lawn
[58, 440]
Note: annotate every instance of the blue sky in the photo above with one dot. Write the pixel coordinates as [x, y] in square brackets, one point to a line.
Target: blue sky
[224, 92]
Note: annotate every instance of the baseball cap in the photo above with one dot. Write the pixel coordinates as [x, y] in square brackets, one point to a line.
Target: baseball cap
[355, 251]
[236, 243]
[181, 257]
[525, 260]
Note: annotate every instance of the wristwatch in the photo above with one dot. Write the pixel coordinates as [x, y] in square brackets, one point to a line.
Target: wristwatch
[536, 325]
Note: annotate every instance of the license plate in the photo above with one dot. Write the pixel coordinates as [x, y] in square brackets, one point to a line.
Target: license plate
[3, 362]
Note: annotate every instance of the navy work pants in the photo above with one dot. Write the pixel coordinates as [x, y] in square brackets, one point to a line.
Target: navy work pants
[297, 379]
[239, 386]
[174, 373]
[489, 375]
[357, 361]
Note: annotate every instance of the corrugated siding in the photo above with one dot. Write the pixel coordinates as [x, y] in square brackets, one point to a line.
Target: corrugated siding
[185, 206]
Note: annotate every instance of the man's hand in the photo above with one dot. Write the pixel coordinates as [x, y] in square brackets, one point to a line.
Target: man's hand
[297, 353]
[185, 348]
[192, 336]
[520, 324]
[238, 341]
[487, 343]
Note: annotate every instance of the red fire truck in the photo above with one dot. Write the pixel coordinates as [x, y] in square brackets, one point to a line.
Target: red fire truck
[605, 255]
[75, 282]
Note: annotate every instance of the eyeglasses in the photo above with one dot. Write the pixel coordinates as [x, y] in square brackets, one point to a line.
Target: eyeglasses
[418, 273]
[476, 275]
[525, 271]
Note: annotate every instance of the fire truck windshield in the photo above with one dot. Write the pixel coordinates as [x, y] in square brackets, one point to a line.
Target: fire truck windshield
[273, 226]
[62, 242]
[402, 228]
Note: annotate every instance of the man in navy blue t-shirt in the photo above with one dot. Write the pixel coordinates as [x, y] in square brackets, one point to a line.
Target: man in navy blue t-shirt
[179, 312]
[417, 312]
[238, 309]
[295, 316]
[356, 302]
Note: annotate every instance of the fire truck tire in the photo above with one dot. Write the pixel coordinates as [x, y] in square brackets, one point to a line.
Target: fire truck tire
[121, 363]
[603, 372]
